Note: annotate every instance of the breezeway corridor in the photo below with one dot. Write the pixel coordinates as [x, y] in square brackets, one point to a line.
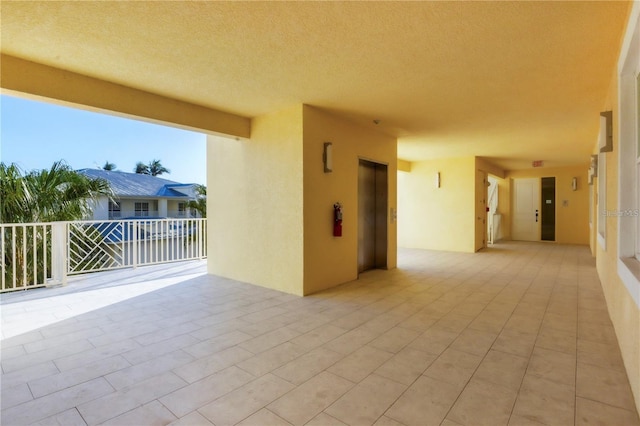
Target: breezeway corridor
[518, 334]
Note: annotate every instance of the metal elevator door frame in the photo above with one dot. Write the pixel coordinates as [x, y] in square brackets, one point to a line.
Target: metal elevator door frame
[372, 215]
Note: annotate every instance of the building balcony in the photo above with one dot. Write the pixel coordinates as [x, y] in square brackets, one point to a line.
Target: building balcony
[44, 254]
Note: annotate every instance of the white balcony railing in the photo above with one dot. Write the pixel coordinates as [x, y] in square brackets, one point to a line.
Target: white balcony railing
[41, 254]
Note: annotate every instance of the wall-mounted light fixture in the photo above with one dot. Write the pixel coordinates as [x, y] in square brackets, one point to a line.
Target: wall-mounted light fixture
[327, 157]
[605, 138]
[574, 184]
[437, 179]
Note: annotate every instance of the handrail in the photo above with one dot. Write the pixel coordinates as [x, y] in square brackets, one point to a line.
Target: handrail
[44, 254]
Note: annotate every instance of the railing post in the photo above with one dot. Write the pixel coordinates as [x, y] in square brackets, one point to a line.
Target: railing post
[202, 232]
[59, 253]
[134, 240]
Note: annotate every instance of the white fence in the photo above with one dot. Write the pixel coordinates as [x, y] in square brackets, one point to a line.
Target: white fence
[41, 254]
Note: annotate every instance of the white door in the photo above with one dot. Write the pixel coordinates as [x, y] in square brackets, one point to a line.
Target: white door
[526, 210]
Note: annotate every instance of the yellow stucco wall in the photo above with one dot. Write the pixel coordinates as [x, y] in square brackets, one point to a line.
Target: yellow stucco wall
[255, 218]
[404, 165]
[487, 166]
[438, 218]
[328, 260]
[273, 226]
[623, 311]
[572, 220]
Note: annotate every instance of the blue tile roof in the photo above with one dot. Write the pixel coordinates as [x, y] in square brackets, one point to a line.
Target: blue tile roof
[126, 184]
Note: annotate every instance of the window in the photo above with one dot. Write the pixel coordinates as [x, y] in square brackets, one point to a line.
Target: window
[628, 211]
[590, 206]
[182, 208]
[638, 162]
[114, 209]
[602, 200]
[141, 209]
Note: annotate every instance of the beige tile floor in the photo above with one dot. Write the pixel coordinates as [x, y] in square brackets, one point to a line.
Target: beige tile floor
[516, 335]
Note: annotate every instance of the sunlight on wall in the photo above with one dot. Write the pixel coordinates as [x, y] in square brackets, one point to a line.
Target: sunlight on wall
[438, 218]
[256, 227]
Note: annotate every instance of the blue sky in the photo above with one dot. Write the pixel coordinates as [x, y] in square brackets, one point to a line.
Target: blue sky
[35, 134]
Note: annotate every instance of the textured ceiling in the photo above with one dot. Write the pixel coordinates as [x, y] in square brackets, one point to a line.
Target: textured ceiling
[511, 81]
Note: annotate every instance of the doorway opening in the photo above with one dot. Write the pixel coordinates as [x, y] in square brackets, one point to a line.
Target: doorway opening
[372, 215]
[548, 209]
[494, 219]
[481, 210]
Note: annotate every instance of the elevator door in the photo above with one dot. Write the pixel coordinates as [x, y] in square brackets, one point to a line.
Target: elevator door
[372, 215]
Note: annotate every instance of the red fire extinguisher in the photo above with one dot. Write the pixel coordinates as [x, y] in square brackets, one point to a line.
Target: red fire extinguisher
[337, 220]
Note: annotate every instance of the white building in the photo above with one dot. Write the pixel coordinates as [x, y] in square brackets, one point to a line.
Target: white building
[137, 195]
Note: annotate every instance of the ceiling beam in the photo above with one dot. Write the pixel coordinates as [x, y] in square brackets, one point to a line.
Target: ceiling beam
[34, 80]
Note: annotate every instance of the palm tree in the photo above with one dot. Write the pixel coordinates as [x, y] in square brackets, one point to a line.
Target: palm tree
[156, 168]
[14, 194]
[58, 193]
[200, 203]
[141, 168]
[109, 166]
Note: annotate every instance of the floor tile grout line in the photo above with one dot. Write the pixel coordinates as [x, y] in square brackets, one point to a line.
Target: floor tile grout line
[467, 382]
[475, 370]
[575, 384]
[609, 405]
[515, 401]
[562, 273]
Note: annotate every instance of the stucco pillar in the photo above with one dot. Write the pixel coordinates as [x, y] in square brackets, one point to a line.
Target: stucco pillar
[162, 208]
